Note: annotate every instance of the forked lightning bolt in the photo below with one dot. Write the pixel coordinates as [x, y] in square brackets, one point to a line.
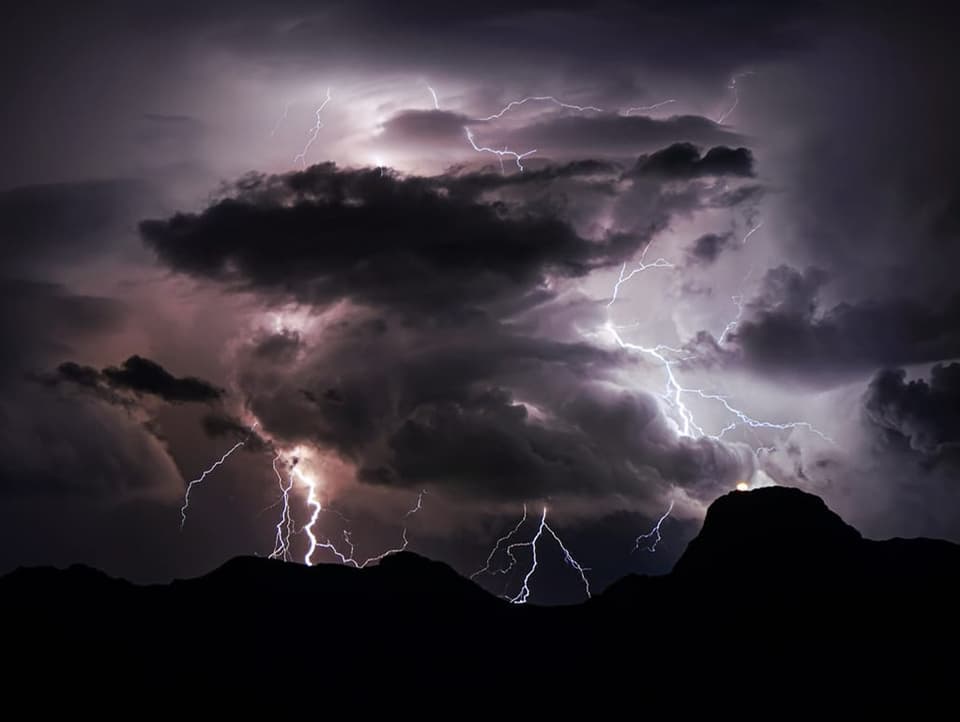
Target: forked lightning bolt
[285, 526]
[640, 268]
[653, 534]
[540, 98]
[517, 157]
[523, 596]
[314, 543]
[485, 569]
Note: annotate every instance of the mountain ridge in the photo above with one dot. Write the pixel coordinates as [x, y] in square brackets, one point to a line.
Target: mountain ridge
[772, 570]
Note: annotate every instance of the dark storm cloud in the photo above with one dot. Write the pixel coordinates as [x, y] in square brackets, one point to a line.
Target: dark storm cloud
[480, 410]
[786, 333]
[140, 376]
[924, 415]
[346, 395]
[449, 364]
[601, 443]
[334, 234]
[707, 248]
[684, 160]
[219, 425]
[144, 376]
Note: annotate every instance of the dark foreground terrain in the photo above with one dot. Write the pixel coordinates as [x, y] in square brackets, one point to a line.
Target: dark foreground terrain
[776, 586]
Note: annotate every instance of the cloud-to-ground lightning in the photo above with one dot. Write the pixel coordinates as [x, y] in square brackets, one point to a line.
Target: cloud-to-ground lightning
[523, 595]
[736, 95]
[652, 537]
[485, 569]
[285, 526]
[350, 559]
[314, 131]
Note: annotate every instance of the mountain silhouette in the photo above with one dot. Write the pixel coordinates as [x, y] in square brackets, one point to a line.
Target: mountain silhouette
[774, 581]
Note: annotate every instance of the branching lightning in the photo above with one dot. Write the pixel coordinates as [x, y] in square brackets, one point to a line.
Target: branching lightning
[518, 157]
[640, 268]
[285, 526]
[541, 98]
[485, 569]
[314, 132]
[654, 533]
[523, 596]
[304, 487]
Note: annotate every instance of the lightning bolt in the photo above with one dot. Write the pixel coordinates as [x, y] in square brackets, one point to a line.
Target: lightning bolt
[540, 98]
[314, 544]
[640, 268]
[314, 132]
[523, 596]
[285, 527]
[199, 479]
[654, 533]
[675, 392]
[736, 95]
[738, 301]
[646, 108]
[206, 473]
[313, 502]
[518, 157]
[485, 569]
[753, 230]
[283, 117]
[433, 93]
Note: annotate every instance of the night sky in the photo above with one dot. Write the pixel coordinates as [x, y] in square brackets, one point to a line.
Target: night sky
[605, 258]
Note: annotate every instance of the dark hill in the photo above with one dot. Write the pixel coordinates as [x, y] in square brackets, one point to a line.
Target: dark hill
[774, 578]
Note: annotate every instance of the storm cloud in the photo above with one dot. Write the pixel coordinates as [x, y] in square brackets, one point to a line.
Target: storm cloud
[745, 206]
